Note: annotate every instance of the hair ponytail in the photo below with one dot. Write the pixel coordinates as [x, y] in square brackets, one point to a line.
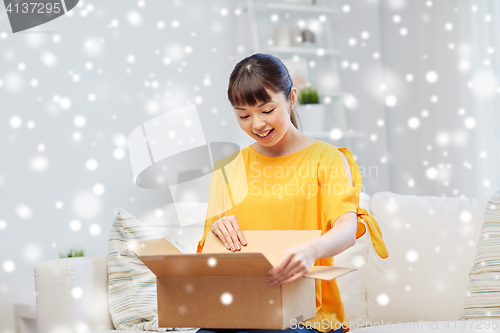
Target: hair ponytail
[294, 117]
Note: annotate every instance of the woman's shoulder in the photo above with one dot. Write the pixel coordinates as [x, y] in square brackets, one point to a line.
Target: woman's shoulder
[328, 148]
[329, 154]
[221, 162]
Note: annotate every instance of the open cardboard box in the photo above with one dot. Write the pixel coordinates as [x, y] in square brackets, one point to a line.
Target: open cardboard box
[222, 289]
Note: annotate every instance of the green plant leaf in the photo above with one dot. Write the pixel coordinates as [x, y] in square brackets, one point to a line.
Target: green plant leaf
[308, 96]
[72, 253]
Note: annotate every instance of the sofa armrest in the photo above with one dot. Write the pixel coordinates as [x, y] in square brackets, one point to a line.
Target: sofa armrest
[72, 295]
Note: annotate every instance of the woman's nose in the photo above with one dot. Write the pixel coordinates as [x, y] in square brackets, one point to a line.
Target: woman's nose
[259, 124]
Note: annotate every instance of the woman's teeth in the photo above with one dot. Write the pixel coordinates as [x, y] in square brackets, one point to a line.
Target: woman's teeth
[265, 134]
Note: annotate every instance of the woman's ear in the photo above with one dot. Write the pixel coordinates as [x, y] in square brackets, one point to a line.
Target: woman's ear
[293, 97]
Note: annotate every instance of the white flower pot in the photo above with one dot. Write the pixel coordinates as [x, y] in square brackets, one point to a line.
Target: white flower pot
[283, 36]
[312, 117]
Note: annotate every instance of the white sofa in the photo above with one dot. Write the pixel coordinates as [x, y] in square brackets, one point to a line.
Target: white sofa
[420, 287]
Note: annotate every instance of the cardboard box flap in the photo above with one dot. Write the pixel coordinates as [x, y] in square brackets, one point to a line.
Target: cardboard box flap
[159, 246]
[328, 273]
[242, 264]
[268, 242]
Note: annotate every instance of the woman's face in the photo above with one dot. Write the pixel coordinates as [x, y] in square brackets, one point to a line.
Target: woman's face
[261, 118]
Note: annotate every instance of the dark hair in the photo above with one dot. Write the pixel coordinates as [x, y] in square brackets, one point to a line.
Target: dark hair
[253, 75]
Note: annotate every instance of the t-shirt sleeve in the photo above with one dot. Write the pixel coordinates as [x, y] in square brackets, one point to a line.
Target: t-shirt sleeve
[218, 202]
[339, 196]
[346, 199]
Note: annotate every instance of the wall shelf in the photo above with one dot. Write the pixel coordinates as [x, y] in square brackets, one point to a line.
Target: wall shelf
[335, 94]
[303, 50]
[263, 25]
[296, 8]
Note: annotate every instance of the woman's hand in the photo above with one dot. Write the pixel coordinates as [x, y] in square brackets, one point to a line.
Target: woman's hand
[292, 264]
[229, 232]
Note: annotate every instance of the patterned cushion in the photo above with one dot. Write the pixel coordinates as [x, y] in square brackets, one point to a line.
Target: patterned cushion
[131, 285]
[483, 290]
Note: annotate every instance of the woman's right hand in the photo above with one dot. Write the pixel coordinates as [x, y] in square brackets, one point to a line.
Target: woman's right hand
[229, 232]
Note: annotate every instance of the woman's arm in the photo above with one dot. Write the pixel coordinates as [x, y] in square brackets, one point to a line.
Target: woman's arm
[339, 238]
[342, 235]
[296, 261]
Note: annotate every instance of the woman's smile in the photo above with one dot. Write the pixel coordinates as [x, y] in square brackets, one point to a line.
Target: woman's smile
[265, 135]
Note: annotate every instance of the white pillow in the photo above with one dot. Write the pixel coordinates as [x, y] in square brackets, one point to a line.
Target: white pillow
[431, 241]
[482, 299]
[131, 284]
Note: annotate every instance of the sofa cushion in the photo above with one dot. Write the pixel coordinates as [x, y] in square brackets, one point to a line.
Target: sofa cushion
[431, 241]
[72, 295]
[352, 286]
[482, 299]
[131, 285]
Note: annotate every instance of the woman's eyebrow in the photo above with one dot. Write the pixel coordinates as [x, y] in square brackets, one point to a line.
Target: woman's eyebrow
[258, 106]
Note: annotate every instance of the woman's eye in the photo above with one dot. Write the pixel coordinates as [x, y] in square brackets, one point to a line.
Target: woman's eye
[263, 112]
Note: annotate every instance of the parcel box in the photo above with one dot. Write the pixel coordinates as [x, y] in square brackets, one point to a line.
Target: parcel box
[222, 289]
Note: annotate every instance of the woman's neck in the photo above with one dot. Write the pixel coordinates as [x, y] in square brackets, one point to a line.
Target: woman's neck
[292, 141]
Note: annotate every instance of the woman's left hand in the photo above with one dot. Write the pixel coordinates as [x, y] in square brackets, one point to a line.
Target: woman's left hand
[292, 264]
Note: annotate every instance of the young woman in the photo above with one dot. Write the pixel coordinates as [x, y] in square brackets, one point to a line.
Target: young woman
[294, 183]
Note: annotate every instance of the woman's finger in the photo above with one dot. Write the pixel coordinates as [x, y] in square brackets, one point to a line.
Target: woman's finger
[293, 266]
[235, 243]
[294, 277]
[225, 232]
[237, 228]
[285, 274]
[275, 272]
[219, 234]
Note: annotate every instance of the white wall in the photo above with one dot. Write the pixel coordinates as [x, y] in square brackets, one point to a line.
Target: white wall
[454, 42]
[35, 229]
[358, 19]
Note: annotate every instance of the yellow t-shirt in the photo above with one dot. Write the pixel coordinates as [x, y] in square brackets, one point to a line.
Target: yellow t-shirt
[306, 190]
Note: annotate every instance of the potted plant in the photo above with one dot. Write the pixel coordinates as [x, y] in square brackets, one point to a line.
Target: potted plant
[71, 253]
[311, 111]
